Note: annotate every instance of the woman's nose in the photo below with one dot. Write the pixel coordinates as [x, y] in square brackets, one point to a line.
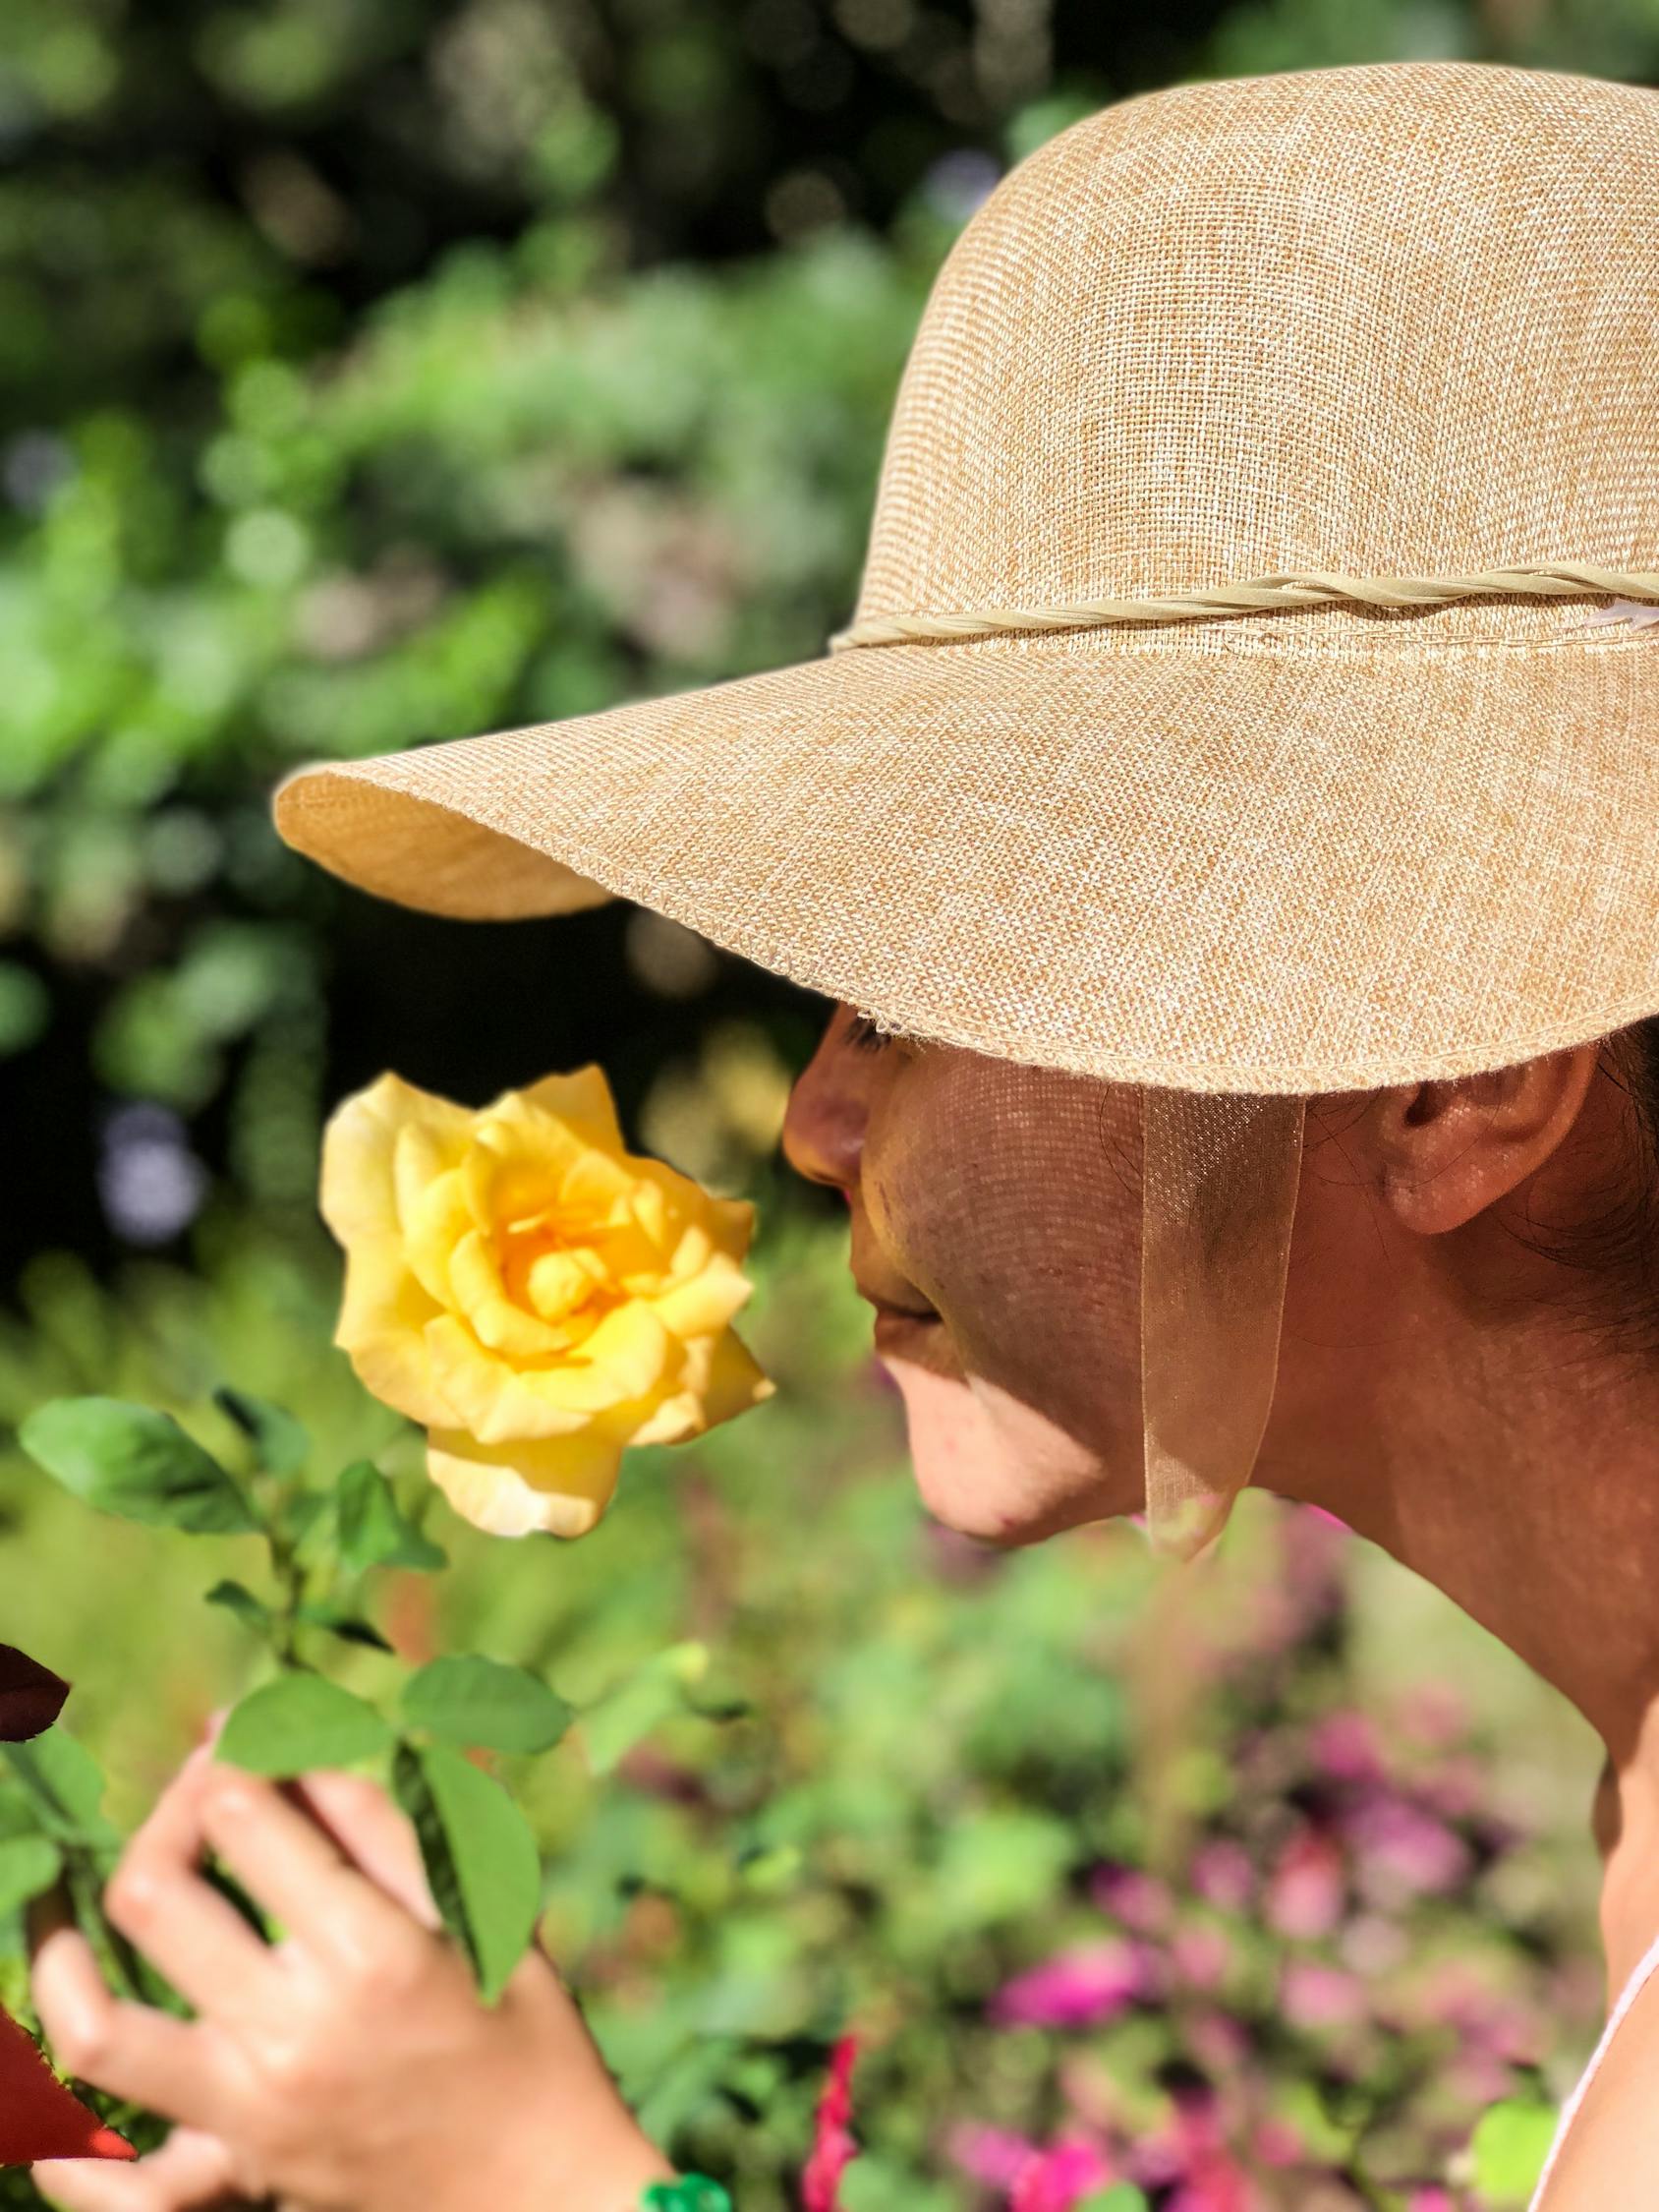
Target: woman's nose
[824, 1124]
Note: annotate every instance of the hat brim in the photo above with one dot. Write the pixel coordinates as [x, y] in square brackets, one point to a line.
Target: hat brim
[1255, 869]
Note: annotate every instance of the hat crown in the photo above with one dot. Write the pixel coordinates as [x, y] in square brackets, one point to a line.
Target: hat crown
[1398, 319]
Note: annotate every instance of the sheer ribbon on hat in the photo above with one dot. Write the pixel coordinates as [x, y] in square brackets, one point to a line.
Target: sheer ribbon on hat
[1219, 1175]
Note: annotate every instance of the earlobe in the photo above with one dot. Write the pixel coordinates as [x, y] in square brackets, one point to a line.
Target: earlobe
[1449, 1150]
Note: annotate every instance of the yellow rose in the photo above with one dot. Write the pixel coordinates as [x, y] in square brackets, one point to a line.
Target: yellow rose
[532, 1295]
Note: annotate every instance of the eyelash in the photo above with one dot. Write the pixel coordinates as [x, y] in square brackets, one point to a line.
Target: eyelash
[862, 1033]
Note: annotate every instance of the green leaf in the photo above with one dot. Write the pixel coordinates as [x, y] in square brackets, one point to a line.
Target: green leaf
[1121, 2197]
[613, 1723]
[373, 1532]
[135, 1462]
[29, 1864]
[279, 1442]
[236, 1597]
[480, 1857]
[301, 1721]
[1510, 2145]
[65, 1784]
[298, 1514]
[350, 1627]
[480, 1700]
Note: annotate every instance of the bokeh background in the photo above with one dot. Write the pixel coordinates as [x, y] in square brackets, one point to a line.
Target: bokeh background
[380, 370]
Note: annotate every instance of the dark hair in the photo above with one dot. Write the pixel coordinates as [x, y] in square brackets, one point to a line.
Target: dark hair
[1616, 1246]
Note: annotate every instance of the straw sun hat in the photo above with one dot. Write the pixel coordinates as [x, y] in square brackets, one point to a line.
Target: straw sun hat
[1382, 341]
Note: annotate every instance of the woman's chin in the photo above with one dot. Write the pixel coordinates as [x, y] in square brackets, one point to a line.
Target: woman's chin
[971, 1472]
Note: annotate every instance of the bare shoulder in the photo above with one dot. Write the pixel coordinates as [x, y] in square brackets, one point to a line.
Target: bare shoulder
[1610, 2160]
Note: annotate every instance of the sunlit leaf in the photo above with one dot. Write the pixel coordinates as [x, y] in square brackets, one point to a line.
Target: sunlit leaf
[480, 1854]
[135, 1462]
[471, 1700]
[298, 1722]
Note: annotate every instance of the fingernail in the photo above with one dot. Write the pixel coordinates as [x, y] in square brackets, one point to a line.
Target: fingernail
[106, 2144]
[211, 1726]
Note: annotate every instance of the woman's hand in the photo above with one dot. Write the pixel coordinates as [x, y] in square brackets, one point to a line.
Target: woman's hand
[350, 2067]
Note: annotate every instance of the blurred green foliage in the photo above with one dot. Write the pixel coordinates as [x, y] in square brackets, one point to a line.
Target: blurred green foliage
[391, 371]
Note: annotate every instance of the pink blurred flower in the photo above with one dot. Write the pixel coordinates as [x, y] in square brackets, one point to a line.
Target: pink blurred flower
[1277, 2143]
[1308, 1887]
[1222, 1874]
[834, 2145]
[1201, 1955]
[1456, 1786]
[1078, 1988]
[1135, 1899]
[1211, 2179]
[1312, 1995]
[1057, 2180]
[995, 2155]
[1402, 1851]
[1218, 2041]
[1430, 2200]
[1433, 1713]
[1343, 1746]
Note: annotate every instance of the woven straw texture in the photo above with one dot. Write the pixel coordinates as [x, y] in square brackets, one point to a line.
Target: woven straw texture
[1393, 321]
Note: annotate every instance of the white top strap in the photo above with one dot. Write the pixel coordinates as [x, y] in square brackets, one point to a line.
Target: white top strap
[1628, 1996]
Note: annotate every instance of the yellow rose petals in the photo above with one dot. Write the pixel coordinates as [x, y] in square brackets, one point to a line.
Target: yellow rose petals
[530, 1294]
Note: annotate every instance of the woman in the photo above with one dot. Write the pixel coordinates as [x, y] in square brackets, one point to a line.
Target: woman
[1255, 1077]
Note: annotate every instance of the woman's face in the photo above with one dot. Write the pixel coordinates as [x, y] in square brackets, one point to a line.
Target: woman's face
[995, 1228]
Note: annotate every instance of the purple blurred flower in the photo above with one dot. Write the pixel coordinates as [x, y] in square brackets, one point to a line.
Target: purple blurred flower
[1343, 1746]
[1078, 1988]
[1402, 1851]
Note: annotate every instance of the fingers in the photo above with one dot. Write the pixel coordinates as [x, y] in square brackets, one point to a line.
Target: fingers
[159, 1900]
[374, 1834]
[131, 2049]
[190, 2173]
[287, 1863]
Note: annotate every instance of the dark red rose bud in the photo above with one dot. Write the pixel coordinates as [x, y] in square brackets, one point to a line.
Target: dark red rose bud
[38, 2117]
[30, 1696]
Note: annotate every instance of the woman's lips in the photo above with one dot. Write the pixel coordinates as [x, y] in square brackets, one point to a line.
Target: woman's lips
[893, 1325]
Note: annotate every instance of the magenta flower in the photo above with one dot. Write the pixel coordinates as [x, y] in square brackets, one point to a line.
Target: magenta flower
[834, 2145]
[1078, 1988]
[1057, 2180]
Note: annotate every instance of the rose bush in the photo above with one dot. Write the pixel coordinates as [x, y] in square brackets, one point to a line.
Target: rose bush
[533, 1295]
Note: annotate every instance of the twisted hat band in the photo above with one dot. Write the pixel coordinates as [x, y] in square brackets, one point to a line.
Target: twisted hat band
[1557, 580]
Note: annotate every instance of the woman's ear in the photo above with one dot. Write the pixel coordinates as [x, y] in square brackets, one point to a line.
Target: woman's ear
[1449, 1150]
